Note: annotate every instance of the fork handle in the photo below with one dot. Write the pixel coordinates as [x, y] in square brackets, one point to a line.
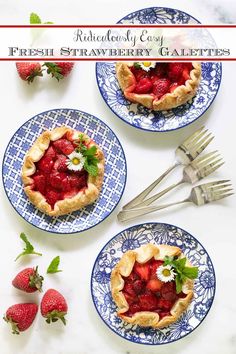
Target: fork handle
[156, 196]
[140, 197]
[126, 215]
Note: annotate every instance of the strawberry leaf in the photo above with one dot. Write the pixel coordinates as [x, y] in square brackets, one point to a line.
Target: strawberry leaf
[34, 19]
[29, 248]
[53, 266]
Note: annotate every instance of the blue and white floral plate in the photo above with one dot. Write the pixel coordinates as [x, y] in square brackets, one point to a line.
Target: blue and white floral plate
[134, 237]
[114, 178]
[160, 121]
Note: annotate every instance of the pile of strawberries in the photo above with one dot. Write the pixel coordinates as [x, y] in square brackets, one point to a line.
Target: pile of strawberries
[29, 70]
[164, 78]
[53, 304]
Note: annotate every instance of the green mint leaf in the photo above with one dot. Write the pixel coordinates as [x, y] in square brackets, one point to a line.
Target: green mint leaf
[91, 151]
[137, 65]
[168, 260]
[53, 266]
[29, 249]
[180, 264]
[191, 272]
[178, 284]
[91, 169]
[34, 19]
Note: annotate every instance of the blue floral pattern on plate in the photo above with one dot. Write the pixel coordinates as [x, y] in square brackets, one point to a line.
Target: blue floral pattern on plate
[136, 114]
[114, 178]
[131, 238]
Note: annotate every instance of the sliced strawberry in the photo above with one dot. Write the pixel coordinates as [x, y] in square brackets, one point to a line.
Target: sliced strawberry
[168, 291]
[143, 270]
[175, 71]
[60, 163]
[154, 285]
[128, 288]
[160, 70]
[52, 197]
[138, 73]
[57, 180]
[45, 164]
[161, 87]
[138, 286]
[153, 267]
[71, 193]
[164, 304]
[133, 308]
[173, 86]
[63, 146]
[132, 277]
[40, 183]
[130, 299]
[189, 66]
[148, 302]
[185, 74]
[50, 153]
[144, 85]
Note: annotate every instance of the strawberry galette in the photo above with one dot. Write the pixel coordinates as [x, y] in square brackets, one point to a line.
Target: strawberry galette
[152, 285]
[63, 171]
[159, 86]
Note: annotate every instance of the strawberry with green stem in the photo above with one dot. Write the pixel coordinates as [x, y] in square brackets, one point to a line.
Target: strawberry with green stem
[21, 316]
[54, 306]
[59, 70]
[28, 280]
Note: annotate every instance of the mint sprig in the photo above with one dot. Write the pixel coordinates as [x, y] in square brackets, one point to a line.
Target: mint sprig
[182, 272]
[53, 266]
[29, 248]
[91, 161]
[137, 65]
[36, 20]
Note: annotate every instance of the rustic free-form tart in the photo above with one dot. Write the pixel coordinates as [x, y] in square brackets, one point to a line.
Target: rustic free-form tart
[157, 85]
[63, 171]
[153, 285]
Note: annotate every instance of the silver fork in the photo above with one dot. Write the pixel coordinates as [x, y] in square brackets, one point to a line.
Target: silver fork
[184, 154]
[199, 168]
[202, 194]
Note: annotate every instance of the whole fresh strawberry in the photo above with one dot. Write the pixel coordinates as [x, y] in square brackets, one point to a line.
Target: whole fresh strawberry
[59, 70]
[29, 70]
[28, 280]
[21, 316]
[54, 306]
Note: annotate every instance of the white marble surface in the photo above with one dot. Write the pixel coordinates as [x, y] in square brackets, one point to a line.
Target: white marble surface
[214, 225]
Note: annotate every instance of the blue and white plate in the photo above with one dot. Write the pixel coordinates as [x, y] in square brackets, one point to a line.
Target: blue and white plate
[114, 178]
[134, 237]
[140, 116]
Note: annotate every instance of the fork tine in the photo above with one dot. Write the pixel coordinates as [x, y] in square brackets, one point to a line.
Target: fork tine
[212, 168]
[200, 158]
[222, 196]
[215, 183]
[202, 144]
[193, 136]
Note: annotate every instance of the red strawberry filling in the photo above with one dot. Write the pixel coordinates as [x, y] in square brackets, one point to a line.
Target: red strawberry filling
[52, 177]
[145, 292]
[162, 79]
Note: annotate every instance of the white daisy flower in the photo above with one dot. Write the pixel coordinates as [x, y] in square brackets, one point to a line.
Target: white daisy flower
[165, 273]
[147, 65]
[76, 161]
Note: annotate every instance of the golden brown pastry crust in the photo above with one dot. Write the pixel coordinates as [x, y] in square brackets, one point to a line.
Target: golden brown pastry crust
[124, 268]
[67, 205]
[179, 96]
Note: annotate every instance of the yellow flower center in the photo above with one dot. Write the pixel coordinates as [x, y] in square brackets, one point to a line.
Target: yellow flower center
[166, 272]
[146, 63]
[75, 161]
